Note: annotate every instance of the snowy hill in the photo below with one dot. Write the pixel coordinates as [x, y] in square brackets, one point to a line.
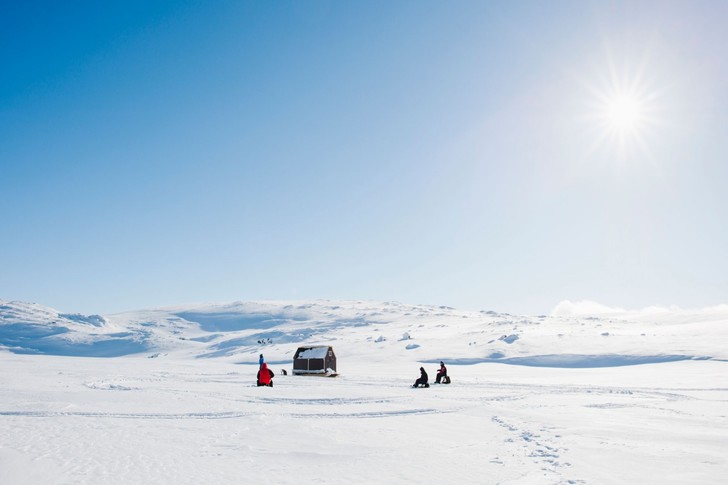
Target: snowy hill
[386, 332]
[35, 329]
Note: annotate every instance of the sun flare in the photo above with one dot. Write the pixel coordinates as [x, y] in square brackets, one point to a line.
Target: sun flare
[626, 105]
[624, 113]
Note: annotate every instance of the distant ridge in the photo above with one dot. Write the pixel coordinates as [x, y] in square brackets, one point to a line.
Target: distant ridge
[365, 330]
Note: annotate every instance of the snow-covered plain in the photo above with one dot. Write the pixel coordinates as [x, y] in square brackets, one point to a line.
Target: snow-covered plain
[169, 395]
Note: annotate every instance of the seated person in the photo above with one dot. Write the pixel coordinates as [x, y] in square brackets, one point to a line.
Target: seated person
[442, 372]
[265, 376]
[422, 381]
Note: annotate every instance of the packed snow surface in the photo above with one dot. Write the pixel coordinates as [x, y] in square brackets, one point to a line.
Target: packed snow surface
[169, 396]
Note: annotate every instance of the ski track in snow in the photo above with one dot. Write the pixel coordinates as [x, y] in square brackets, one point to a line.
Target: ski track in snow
[540, 446]
[62, 414]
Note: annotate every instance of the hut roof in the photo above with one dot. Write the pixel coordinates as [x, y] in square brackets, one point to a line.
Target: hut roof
[313, 352]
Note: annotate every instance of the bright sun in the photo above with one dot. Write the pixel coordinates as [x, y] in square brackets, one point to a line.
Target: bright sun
[624, 113]
[625, 106]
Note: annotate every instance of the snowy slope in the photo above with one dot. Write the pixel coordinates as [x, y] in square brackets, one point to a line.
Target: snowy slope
[33, 328]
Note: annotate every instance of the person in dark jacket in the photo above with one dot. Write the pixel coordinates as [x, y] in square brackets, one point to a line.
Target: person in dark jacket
[422, 381]
[265, 376]
[442, 372]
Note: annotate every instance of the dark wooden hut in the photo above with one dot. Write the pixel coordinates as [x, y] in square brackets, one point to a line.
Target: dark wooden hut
[317, 360]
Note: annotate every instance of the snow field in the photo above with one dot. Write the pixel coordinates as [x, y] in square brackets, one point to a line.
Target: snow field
[137, 420]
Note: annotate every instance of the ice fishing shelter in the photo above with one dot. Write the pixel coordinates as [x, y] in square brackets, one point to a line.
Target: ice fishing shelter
[315, 360]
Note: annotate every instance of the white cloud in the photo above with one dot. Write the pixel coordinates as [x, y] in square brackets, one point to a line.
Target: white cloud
[568, 308]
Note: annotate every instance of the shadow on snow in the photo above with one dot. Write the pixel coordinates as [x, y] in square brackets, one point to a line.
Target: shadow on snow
[572, 361]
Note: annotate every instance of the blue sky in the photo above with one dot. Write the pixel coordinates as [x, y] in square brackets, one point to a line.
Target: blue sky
[459, 153]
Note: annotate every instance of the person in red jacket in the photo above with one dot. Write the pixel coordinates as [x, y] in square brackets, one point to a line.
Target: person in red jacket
[441, 373]
[265, 376]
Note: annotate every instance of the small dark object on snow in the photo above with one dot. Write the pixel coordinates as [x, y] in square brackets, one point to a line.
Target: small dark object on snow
[283, 371]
